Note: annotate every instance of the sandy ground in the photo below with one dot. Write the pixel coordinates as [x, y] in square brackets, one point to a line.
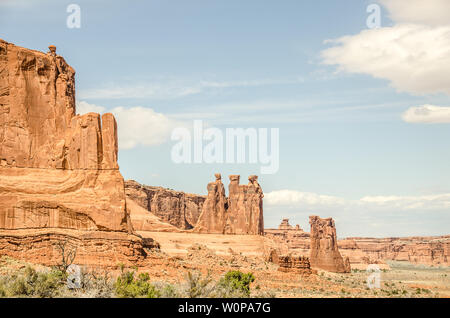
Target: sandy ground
[177, 244]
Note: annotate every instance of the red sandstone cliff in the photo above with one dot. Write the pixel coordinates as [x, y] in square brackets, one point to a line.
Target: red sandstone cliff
[177, 208]
[58, 170]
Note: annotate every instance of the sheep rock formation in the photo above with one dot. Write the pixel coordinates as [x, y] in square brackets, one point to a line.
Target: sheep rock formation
[240, 213]
[58, 170]
[174, 207]
[324, 249]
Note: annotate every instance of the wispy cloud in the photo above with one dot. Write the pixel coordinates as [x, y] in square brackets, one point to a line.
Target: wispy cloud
[21, 3]
[308, 200]
[428, 114]
[290, 111]
[174, 88]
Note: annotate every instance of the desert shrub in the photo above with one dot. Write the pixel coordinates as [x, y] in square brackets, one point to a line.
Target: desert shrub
[94, 285]
[168, 291]
[128, 286]
[199, 286]
[236, 284]
[33, 284]
[67, 254]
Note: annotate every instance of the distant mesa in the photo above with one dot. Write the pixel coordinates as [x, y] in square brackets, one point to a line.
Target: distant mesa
[284, 225]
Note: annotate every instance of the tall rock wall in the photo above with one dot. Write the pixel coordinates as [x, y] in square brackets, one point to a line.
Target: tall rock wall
[324, 249]
[177, 208]
[241, 213]
[55, 166]
[57, 169]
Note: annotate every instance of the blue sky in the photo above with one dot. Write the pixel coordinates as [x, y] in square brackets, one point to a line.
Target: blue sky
[364, 120]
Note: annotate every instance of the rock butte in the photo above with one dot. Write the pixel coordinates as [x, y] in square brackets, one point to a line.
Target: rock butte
[324, 249]
[58, 170]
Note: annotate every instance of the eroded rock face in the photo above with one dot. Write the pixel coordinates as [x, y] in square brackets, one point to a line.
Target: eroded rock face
[57, 169]
[290, 239]
[213, 218]
[420, 250]
[93, 248]
[177, 208]
[241, 213]
[294, 263]
[324, 249]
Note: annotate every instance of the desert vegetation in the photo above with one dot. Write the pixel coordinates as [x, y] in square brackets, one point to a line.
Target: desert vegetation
[27, 281]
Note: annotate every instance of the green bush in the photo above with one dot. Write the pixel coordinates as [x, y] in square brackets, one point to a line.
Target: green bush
[33, 284]
[127, 286]
[198, 286]
[237, 283]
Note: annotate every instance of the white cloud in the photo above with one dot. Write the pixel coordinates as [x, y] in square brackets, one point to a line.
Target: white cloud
[136, 125]
[139, 90]
[429, 12]
[297, 198]
[425, 202]
[83, 107]
[141, 126]
[429, 114]
[414, 54]
[174, 88]
[307, 200]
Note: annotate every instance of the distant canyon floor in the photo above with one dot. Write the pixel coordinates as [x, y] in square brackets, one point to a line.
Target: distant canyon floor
[219, 253]
[216, 254]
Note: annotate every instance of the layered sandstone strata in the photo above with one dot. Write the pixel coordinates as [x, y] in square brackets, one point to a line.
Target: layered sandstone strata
[433, 251]
[177, 208]
[294, 263]
[58, 170]
[91, 248]
[289, 240]
[324, 249]
[240, 213]
[290, 262]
